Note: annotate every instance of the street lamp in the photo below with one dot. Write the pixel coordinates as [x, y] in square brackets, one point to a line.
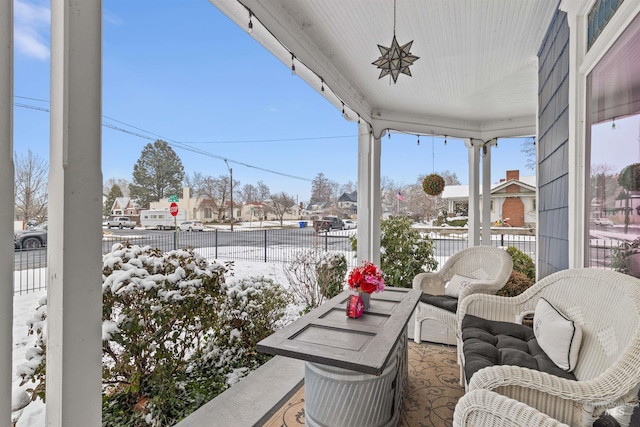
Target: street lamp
[230, 191]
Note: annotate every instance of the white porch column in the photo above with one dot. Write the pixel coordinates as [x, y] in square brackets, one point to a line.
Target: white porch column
[6, 208]
[486, 193]
[369, 202]
[74, 353]
[578, 247]
[474, 190]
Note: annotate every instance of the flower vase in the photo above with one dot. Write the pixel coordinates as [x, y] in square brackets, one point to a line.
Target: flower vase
[365, 298]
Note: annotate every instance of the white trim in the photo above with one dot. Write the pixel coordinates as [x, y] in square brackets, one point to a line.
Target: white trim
[74, 299]
[577, 112]
[369, 202]
[6, 192]
[486, 201]
[474, 190]
[581, 64]
[623, 17]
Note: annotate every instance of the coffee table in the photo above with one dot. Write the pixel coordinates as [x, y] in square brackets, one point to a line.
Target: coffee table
[355, 369]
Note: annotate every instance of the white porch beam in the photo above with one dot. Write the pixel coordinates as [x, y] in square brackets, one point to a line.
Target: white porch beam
[6, 212]
[74, 356]
[486, 193]
[369, 202]
[474, 193]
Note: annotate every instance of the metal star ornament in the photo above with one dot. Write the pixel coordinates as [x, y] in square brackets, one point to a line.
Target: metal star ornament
[395, 59]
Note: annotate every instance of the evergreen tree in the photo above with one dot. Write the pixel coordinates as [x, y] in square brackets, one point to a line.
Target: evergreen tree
[113, 194]
[158, 173]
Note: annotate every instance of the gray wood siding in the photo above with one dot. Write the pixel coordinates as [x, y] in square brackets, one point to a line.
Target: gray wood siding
[553, 149]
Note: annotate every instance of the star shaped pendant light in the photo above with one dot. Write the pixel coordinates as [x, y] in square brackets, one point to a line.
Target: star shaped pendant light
[395, 59]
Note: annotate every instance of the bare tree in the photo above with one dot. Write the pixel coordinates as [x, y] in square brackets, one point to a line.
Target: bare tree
[263, 191]
[253, 193]
[349, 187]
[195, 182]
[120, 182]
[450, 178]
[248, 193]
[281, 203]
[528, 148]
[30, 187]
[388, 192]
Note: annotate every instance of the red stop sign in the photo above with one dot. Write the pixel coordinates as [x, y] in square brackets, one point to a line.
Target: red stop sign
[173, 208]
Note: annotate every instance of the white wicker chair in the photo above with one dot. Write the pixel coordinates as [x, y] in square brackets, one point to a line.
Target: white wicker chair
[493, 262]
[484, 408]
[606, 305]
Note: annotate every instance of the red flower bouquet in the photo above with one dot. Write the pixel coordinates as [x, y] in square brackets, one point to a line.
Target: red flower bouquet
[367, 277]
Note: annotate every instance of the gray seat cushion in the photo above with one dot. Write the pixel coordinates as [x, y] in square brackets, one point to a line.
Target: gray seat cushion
[441, 301]
[491, 343]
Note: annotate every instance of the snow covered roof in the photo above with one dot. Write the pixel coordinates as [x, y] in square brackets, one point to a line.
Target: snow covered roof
[461, 192]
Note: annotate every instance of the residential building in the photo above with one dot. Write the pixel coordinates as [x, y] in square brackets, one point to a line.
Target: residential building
[197, 208]
[513, 200]
[348, 203]
[124, 206]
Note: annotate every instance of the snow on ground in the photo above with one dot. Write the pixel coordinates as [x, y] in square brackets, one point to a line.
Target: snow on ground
[24, 308]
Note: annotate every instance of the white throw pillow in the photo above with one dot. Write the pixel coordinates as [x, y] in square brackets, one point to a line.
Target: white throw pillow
[558, 336]
[453, 287]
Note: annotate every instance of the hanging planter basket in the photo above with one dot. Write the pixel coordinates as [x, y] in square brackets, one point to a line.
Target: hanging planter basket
[433, 184]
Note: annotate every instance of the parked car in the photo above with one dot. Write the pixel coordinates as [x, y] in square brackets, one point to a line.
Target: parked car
[328, 223]
[603, 221]
[121, 222]
[349, 224]
[30, 239]
[191, 226]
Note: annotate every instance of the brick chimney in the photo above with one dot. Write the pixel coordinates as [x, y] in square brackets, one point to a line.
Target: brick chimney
[514, 174]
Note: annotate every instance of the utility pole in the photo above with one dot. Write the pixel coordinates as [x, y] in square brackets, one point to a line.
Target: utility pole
[230, 191]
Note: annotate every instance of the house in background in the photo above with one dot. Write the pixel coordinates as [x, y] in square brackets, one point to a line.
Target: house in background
[320, 208]
[348, 203]
[513, 200]
[124, 206]
[197, 208]
[253, 211]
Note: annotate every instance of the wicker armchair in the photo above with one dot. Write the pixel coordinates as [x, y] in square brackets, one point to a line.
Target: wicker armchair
[606, 305]
[492, 266]
[480, 408]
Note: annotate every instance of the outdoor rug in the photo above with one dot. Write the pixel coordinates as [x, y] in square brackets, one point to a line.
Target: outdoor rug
[433, 390]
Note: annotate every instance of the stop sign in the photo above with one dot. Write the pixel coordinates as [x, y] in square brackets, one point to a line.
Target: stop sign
[173, 208]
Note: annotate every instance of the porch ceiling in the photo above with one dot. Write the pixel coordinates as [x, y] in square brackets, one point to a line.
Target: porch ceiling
[476, 76]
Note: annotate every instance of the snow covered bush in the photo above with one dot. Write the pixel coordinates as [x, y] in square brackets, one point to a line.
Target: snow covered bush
[331, 270]
[175, 333]
[315, 276]
[404, 252]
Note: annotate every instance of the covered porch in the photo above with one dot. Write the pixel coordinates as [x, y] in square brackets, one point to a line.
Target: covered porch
[486, 70]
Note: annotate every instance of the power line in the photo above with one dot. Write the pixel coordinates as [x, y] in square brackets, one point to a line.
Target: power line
[182, 145]
[270, 140]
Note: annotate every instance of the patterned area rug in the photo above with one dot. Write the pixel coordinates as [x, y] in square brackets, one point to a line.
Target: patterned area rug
[432, 391]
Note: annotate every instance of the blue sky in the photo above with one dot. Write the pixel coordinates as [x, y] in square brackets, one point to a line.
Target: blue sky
[181, 71]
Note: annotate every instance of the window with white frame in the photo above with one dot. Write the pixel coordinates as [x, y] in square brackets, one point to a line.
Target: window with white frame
[613, 141]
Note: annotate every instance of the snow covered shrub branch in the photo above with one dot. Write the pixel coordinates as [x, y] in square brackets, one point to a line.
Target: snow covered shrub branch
[315, 276]
[175, 333]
